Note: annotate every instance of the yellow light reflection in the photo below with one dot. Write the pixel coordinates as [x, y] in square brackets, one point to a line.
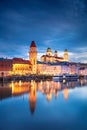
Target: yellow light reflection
[65, 93]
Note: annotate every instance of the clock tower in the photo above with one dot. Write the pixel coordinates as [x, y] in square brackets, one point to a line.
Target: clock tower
[33, 56]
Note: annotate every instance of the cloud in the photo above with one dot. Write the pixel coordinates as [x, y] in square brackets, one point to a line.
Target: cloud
[58, 24]
[78, 57]
[82, 49]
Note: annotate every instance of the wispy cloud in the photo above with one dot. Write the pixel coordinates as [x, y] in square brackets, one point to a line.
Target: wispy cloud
[73, 56]
[82, 49]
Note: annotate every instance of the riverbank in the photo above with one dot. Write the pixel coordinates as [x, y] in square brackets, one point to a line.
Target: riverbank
[38, 78]
[26, 78]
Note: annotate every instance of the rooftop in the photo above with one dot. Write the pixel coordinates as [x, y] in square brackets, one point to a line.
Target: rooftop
[33, 44]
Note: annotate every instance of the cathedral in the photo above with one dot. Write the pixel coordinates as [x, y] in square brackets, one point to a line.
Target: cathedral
[54, 58]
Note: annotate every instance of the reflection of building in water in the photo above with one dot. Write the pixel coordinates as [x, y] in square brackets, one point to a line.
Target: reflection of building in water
[19, 88]
[45, 88]
[82, 82]
[56, 93]
[5, 90]
[49, 96]
[50, 89]
[72, 84]
[65, 93]
[14, 89]
[32, 96]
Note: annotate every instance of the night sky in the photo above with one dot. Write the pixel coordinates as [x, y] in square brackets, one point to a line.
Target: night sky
[58, 24]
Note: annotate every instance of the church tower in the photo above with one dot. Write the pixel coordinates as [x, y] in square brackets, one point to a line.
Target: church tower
[55, 54]
[65, 55]
[49, 52]
[33, 56]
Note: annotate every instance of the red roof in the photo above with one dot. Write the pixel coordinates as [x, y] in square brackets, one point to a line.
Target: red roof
[33, 44]
[52, 56]
[20, 61]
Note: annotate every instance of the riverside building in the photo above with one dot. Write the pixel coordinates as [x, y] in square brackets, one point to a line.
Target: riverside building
[49, 64]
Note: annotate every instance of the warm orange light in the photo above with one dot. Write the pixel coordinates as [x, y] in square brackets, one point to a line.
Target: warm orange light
[65, 93]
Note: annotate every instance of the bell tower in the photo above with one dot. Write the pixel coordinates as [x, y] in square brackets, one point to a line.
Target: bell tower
[65, 55]
[55, 54]
[49, 52]
[33, 56]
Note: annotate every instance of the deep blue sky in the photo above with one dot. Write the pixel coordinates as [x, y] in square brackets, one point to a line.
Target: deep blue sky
[58, 24]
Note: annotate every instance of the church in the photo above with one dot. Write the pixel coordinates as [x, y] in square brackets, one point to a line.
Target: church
[54, 58]
[50, 64]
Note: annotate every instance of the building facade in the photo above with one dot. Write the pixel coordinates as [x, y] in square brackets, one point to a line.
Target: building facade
[21, 66]
[5, 67]
[50, 64]
[49, 57]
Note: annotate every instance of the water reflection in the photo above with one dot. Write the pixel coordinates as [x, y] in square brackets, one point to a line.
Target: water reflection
[19, 88]
[32, 96]
[48, 88]
[65, 93]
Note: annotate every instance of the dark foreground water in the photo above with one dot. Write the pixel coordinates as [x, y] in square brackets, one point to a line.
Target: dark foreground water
[44, 105]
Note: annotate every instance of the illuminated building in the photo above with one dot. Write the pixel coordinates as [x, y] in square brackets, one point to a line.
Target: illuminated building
[56, 68]
[33, 57]
[54, 58]
[5, 67]
[21, 67]
[66, 55]
[50, 64]
[82, 69]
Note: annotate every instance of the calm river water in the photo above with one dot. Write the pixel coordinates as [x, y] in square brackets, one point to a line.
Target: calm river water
[44, 105]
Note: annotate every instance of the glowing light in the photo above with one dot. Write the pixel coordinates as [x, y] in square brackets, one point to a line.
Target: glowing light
[65, 93]
[20, 83]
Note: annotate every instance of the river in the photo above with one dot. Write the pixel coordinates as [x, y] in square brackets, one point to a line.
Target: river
[44, 105]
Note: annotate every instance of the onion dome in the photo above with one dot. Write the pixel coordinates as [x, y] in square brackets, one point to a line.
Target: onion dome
[48, 49]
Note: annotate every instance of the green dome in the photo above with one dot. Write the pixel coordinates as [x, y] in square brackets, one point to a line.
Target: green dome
[48, 49]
